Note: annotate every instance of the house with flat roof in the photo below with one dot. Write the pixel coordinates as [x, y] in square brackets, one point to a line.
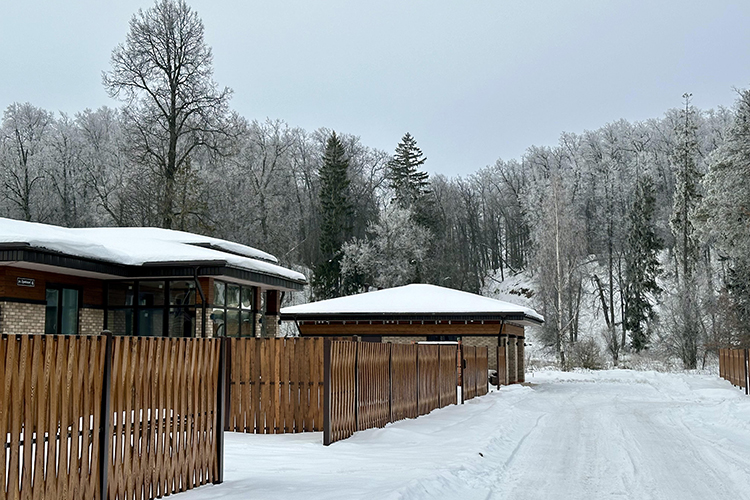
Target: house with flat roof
[136, 281]
[420, 312]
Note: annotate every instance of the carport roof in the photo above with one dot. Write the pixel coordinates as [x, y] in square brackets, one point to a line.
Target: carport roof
[416, 301]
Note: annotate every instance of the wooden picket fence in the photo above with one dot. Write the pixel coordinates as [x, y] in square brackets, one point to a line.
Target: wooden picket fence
[275, 385]
[370, 384]
[734, 367]
[475, 375]
[157, 399]
[164, 401]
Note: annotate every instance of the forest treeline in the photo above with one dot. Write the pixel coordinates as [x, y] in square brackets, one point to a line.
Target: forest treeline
[645, 224]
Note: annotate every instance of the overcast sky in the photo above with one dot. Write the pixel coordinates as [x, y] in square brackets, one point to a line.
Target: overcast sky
[472, 81]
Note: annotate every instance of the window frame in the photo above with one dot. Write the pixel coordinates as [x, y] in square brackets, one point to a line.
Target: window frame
[60, 287]
[166, 308]
[225, 308]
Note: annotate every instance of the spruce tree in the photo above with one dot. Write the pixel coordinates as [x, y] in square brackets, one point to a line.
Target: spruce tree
[408, 182]
[336, 215]
[686, 200]
[642, 264]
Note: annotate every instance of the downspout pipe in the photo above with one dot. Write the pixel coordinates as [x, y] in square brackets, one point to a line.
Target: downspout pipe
[203, 301]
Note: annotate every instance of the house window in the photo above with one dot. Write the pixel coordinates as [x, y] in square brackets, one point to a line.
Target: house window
[61, 314]
[162, 309]
[232, 312]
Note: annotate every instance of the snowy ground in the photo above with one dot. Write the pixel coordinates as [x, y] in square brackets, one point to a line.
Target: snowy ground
[612, 434]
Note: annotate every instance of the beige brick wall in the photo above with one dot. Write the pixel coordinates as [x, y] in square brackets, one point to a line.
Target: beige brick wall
[90, 321]
[397, 339]
[209, 333]
[271, 326]
[16, 317]
[489, 342]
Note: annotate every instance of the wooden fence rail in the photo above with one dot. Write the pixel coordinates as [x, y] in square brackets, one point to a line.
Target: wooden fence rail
[734, 367]
[157, 399]
[370, 384]
[275, 385]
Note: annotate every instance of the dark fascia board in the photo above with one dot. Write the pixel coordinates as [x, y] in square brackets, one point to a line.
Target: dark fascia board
[410, 317]
[25, 253]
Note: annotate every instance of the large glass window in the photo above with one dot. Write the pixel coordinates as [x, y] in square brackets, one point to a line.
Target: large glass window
[61, 312]
[232, 313]
[163, 308]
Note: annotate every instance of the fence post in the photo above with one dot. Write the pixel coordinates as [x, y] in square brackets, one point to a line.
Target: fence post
[227, 383]
[220, 413]
[461, 366]
[747, 381]
[326, 392]
[105, 438]
[356, 382]
[390, 382]
[418, 381]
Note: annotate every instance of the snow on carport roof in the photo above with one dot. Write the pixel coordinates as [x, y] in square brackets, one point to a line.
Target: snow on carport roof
[415, 299]
[141, 246]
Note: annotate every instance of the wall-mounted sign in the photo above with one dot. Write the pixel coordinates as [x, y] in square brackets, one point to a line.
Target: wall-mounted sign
[25, 282]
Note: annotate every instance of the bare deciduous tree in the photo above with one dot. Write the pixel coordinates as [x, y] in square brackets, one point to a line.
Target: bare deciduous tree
[164, 72]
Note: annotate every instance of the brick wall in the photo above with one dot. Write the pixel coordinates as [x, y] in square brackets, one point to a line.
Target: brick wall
[403, 339]
[489, 342]
[90, 321]
[271, 325]
[16, 317]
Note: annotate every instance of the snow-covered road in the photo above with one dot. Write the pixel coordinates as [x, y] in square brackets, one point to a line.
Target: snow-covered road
[612, 434]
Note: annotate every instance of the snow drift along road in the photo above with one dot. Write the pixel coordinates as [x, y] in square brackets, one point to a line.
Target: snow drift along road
[614, 434]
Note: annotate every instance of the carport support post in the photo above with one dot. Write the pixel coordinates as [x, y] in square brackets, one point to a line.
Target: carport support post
[326, 392]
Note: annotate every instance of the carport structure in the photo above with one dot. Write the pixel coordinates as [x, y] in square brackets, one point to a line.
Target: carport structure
[420, 312]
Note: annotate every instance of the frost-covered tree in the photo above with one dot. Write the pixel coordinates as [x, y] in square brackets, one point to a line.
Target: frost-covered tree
[173, 108]
[391, 256]
[687, 197]
[23, 139]
[641, 265]
[726, 215]
[336, 215]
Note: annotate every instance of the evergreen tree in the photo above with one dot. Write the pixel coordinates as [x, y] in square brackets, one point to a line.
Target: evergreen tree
[336, 214]
[642, 264]
[725, 212]
[410, 184]
[686, 201]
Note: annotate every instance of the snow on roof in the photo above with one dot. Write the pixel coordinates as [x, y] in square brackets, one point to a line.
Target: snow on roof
[412, 299]
[136, 246]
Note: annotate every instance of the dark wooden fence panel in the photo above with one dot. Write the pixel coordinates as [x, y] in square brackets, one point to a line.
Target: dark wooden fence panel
[469, 388]
[275, 385]
[373, 384]
[482, 375]
[429, 376]
[733, 366]
[50, 408]
[370, 384]
[164, 405]
[404, 381]
[342, 388]
[448, 375]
